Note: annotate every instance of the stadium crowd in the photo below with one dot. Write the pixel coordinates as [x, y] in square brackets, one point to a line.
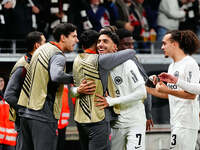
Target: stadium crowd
[112, 91]
[148, 20]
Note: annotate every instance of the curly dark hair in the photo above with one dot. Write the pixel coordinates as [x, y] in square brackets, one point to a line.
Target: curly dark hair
[88, 38]
[187, 40]
[109, 28]
[112, 35]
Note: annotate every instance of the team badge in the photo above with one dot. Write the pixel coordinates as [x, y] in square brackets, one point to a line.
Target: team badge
[176, 74]
[118, 80]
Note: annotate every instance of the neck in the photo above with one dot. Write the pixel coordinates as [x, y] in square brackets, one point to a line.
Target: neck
[59, 45]
[91, 50]
[179, 56]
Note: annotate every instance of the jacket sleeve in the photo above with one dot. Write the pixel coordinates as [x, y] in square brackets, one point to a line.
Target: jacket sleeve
[14, 87]
[148, 106]
[57, 74]
[137, 95]
[111, 60]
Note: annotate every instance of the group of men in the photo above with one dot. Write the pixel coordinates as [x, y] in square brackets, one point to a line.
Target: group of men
[109, 86]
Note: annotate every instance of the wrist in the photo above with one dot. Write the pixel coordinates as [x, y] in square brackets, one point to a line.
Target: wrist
[109, 101]
[175, 80]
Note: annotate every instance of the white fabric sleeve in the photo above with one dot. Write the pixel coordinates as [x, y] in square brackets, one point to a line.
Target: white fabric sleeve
[139, 94]
[191, 82]
[193, 88]
[74, 92]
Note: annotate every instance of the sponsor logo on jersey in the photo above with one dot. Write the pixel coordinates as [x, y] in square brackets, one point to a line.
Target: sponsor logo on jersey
[172, 86]
[118, 80]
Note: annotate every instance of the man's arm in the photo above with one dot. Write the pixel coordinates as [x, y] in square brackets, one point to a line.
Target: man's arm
[140, 68]
[57, 74]
[138, 94]
[133, 81]
[154, 92]
[14, 87]
[86, 87]
[186, 86]
[148, 106]
[111, 60]
[161, 87]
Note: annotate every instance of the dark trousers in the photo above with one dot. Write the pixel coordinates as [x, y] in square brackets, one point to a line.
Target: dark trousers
[61, 139]
[94, 136]
[6, 147]
[37, 135]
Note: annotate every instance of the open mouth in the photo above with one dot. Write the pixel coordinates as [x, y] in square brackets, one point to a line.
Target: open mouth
[100, 50]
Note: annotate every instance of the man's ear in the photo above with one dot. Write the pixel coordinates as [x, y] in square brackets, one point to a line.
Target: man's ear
[62, 37]
[115, 48]
[36, 45]
[176, 44]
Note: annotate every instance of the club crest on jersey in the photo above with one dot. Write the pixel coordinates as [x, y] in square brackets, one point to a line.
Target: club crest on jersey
[176, 74]
[118, 80]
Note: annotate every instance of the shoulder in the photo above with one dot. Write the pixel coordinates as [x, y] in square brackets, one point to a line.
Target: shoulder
[129, 64]
[190, 61]
[20, 63]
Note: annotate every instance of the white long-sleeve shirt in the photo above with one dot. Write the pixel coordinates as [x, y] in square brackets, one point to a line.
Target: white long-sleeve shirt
[131, 92]
[184, 113]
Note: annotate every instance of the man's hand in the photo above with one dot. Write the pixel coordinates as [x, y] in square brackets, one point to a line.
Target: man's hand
[35, 9]
[161, 87]
[101, 102]
[149, 123]
[86, 87]
[154, 79]
[165, 77]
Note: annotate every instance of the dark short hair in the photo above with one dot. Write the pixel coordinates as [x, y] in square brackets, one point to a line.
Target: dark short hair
[123, 33]
[109, 28]
[88, 38]
[31, 39]
[112, 35]
[63, 28]
[187, 40]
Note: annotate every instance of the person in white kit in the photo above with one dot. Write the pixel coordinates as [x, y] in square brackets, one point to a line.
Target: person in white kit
[184, 106]
[128, 131]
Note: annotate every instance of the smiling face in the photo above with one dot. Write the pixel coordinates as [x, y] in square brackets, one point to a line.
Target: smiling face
[106, 45]
[168, 46]
[69, 41]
